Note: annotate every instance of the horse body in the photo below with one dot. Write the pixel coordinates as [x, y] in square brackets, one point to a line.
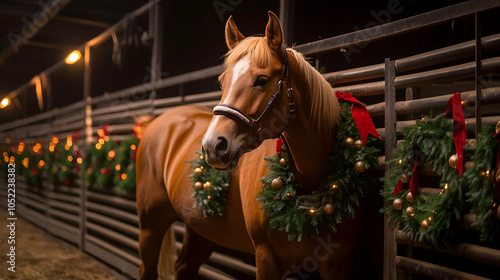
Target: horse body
[164, 190]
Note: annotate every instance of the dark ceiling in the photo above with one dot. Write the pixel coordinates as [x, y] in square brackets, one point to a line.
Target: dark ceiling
[36, 34]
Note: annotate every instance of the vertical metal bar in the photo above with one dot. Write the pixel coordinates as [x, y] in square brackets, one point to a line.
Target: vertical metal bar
[287, 10]
[156, 56]
[390, 144]
[87, 127]
[477, 76]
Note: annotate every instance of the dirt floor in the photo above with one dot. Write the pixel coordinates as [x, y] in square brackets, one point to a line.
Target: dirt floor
[39, 256]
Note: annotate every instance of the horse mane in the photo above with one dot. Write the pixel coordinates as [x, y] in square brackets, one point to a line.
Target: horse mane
[324, 111]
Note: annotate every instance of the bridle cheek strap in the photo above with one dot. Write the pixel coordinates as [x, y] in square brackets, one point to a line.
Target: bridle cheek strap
[255, 124]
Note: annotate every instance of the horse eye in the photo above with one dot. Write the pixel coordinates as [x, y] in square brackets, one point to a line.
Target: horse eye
[261, 81]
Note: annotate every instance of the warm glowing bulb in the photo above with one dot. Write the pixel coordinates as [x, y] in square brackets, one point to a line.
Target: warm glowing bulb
[4, 103]
[124, 176]
[70, 158]
[73, 57]
[79, 160]
[118, 167]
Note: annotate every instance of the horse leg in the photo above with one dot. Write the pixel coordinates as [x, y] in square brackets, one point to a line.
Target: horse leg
[156, 214]
[195, 251]
[267, 263]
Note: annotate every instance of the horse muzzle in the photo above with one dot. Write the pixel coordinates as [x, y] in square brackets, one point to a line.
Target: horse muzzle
[218, 154]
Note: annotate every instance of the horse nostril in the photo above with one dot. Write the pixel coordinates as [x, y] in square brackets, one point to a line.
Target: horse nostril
[221, 146]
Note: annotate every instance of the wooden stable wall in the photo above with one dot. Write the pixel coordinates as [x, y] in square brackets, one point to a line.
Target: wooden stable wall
[397, 92]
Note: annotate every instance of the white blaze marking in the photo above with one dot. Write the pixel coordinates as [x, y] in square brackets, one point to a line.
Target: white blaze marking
[210, 131]
[240, 68]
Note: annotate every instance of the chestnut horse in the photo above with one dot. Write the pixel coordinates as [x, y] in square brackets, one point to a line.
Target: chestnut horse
[267, 91]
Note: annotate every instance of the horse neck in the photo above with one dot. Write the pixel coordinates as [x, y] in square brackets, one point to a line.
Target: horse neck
[309, 149]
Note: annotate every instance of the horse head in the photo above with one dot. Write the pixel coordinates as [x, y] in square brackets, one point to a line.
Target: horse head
[257, 99]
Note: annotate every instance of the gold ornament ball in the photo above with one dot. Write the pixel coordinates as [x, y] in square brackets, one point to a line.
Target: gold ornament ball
[453, 161]
[397, 204]
[198, 171]
[206, 186]
[424, 224]
[358, 145]
[409, 211]
[360, 166]
[349, 141]
[328, 208]
[198, 185]
[410, 198]
[277, 183]
[282, 161]
[404, 178]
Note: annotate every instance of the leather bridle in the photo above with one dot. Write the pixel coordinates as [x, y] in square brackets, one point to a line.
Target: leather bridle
[255, 124]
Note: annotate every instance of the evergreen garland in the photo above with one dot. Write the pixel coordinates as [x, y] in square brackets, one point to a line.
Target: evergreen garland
[480, 179]
[429, 218]
[98, 162]
[124, 165]
[210, 187]
[339, 194]
[31, 162]
[63, 160]
[5, 152]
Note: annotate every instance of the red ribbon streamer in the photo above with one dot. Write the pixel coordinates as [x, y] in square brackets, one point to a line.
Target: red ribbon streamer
[360, 115]
[459, 129]
[413, 182]
[414, 178]
[279, 144]
[398, 187]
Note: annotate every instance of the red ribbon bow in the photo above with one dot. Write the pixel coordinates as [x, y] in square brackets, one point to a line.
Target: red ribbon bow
[360, 115]
[279, 144]
[459, 129]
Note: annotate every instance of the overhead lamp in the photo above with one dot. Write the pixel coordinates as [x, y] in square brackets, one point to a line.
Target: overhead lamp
[4, 103]
[73, 57]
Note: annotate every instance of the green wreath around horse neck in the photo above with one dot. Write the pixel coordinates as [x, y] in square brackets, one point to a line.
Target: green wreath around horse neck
[313, 214]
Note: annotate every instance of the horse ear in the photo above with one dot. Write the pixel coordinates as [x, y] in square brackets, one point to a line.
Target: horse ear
[233, 35]
[274, 33]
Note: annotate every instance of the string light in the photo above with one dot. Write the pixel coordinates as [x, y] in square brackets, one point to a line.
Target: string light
[79, 160]
[41, 163]
[4, 103]
[118, 167]
[312, 211]
[25, 162]
[73, 57]
[133, 147]
[70, 158]
[123, 176]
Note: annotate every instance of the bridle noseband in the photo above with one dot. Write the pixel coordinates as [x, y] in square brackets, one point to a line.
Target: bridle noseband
[255, 124]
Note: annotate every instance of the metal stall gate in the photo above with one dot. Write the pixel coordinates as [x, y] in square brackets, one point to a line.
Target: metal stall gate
[397, 91]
